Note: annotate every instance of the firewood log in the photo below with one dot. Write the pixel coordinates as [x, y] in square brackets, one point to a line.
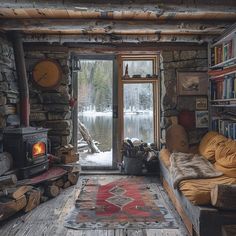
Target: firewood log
[73, 178]
[52, 191]
[71, 167]
[7, 180]
[33, 199]
[66, 184]
[43, 199]
[9, 207]
[59, 183]
[223, 196]
[15, 192]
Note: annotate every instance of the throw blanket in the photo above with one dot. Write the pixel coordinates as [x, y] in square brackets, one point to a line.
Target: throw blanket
[190, 166]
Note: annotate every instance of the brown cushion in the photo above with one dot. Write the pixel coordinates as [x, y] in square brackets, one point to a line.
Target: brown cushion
[209, 143]
[176, 139]
[226, 154]
[228, 171]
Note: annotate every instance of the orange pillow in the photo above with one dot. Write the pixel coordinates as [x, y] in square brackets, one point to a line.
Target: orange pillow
[209, 143]
[226, 154]
[228, 171]
[204, 141]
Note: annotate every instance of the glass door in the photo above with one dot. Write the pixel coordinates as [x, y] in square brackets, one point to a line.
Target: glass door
[96, 120]
[139, 90]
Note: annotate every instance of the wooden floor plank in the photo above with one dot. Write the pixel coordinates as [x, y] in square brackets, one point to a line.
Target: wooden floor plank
[48, 219]
[163, 232]
[134, 232]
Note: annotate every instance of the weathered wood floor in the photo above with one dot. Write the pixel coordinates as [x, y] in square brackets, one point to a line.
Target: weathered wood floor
[48, 218]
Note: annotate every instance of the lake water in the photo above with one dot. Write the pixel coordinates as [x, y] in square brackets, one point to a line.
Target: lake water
[100, 127]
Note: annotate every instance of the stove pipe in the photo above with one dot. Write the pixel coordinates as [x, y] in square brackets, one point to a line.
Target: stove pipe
[22, 76]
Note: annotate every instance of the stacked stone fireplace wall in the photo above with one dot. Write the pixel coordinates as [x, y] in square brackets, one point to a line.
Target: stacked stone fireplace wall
[9, 90]
[50, 108]
[171, 103]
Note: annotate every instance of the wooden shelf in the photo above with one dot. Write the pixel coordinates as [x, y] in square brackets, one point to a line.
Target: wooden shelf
[230, 62]
[223, 102]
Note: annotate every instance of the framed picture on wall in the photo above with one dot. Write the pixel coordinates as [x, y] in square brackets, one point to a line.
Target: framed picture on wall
[201, 119]
[201, 103]
[192, 83]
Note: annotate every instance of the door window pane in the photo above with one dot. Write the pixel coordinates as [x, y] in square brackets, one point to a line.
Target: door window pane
[138, 111]
[135, 68]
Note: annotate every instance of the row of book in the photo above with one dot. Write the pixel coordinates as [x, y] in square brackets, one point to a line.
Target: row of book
[225, 127]
[223, 52]
[224, 87]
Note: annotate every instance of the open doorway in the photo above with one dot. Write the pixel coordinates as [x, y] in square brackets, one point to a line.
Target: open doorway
[95, 113]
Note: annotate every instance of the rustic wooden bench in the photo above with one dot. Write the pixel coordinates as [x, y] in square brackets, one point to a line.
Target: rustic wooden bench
[199, 220]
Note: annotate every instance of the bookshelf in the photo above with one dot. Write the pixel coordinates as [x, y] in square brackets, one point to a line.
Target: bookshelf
[222, 79]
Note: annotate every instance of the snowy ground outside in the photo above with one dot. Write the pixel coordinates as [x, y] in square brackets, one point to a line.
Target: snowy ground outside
[96, 159]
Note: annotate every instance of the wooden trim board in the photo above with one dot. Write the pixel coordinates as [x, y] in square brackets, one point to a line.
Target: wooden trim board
[178, 207]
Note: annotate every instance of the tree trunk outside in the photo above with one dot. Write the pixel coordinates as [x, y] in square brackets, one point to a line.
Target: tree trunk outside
[87, 137]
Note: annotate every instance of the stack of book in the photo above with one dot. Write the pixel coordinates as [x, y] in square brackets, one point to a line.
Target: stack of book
[223, 87]
[223, 52]
[225, 127]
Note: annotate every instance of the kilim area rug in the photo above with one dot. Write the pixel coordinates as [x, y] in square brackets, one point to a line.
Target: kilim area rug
[120, 202]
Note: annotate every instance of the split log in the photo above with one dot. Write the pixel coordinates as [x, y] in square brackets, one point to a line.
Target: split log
[59, 183]
[223, 196]
[7, 180]
[73, 178]
[15, 192]
[52, 191]
[33, 199]
[43, 199]
[66, 159]
[71, 167]
[67, 184]
[10, 207]
[6, 162]
[87, 137]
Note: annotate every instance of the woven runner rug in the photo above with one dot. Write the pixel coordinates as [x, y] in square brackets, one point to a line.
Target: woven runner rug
[120, 202]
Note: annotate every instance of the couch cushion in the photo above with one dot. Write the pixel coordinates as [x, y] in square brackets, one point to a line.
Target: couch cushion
[176, 139]
[209, 143]
[225, 154]
[228, 171]
[198, 191]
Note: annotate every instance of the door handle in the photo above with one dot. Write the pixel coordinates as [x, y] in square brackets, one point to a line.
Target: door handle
[115, 111]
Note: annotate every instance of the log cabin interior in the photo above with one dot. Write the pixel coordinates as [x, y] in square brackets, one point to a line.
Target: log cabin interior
[118, 117]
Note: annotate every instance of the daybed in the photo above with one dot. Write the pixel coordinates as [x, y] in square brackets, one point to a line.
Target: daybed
[192, 198]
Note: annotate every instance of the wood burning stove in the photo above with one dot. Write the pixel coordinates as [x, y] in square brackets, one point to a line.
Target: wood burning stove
[29, 148]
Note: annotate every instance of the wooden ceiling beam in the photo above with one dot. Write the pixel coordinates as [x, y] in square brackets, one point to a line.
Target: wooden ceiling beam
[116, 39]
[126, 12]
[122, 4]
[72, 26]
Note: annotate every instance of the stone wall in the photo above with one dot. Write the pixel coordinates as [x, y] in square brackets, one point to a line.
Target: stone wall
[50, 108]
[171, 104]
[9, 91]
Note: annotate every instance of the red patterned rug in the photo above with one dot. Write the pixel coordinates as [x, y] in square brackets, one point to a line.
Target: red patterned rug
[124, 202]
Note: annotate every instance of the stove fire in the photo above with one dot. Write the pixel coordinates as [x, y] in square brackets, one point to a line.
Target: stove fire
[39, 149]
